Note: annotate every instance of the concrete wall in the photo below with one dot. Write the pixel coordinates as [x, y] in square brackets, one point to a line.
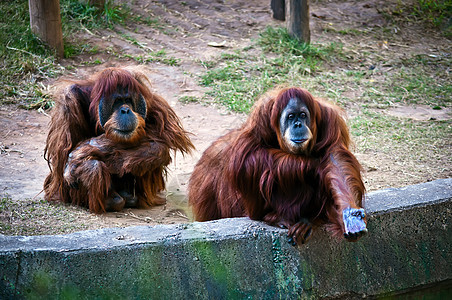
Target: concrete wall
[409, 246]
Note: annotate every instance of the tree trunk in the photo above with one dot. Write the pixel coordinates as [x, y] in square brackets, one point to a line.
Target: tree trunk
[298, 20]
[279, 9]
[45, 22]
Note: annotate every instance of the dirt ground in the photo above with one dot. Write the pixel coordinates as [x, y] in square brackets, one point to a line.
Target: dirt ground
[191, 26]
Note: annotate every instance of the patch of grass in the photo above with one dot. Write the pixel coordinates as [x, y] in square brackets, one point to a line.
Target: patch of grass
[162, 57]
[419, 144]
[278, 41]
[419, 79]
[238, 79]
[75, 13]
[237, 83]
[412, 86]
[71, 50]
[356, 74]
[155, 56]
[78, 15]
[92, 62]
[330, 71]
[25, 61]
[434, 13]
[208, 64]
[189, 99]
[30, 217]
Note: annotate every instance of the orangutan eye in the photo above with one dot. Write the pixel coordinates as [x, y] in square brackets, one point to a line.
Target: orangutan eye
[291, 116]
[303, 115]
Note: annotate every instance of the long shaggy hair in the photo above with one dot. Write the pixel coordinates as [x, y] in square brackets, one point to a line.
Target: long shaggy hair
[251, 172]
[75, 127]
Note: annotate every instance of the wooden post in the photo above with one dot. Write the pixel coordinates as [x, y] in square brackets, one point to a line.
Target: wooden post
[298, 20]
[279, 9]
[45, 22]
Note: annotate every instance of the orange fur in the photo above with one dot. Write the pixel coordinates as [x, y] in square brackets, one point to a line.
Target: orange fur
[86, 163]
[250, 172]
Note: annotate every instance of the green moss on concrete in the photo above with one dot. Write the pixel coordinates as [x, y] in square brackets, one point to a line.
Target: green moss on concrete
[286, 276]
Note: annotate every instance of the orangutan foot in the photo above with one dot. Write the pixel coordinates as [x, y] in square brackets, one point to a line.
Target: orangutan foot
[131, 200]
[300, 232]
[115, 202]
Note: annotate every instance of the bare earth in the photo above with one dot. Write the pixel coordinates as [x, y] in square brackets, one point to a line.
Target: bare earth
[192, 26]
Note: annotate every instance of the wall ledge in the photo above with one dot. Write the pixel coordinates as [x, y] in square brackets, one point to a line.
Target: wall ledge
[409, 247]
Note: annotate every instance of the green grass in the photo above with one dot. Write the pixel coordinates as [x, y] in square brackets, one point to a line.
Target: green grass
[25, 61]
[371, 123]
[189, 99]
[434, 13]
[277, 40]
[237, 79]
[75, 13]
[237, 83]
[419, 145]
[412, 86]
[78, 15]
[154, 56]
[23, 58]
